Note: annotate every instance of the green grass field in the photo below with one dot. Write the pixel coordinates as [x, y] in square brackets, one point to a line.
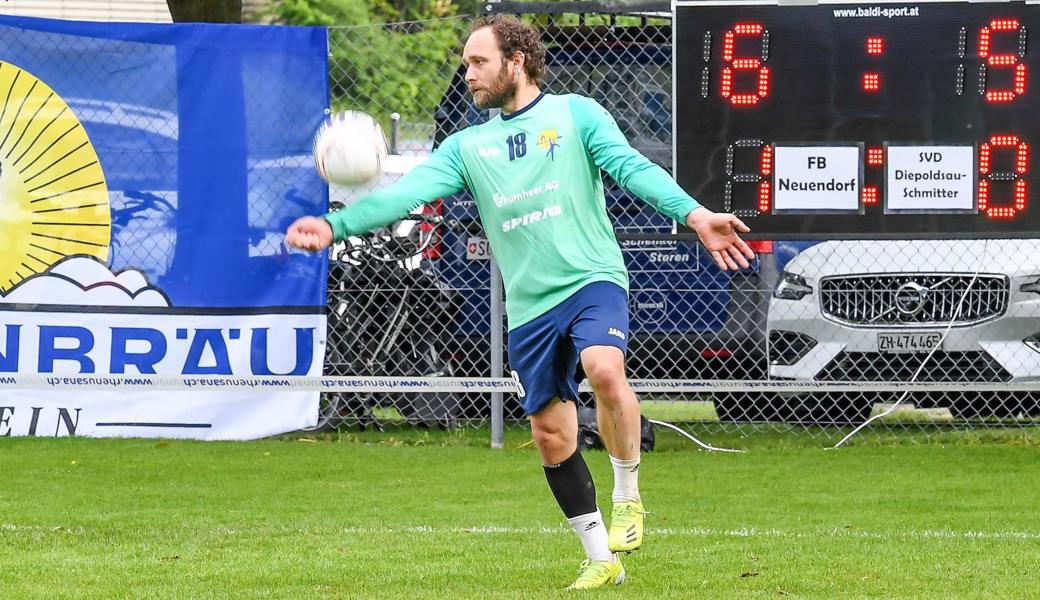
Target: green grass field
[410, 514]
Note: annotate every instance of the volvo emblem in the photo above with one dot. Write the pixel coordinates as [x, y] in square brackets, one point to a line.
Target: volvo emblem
[911, 298]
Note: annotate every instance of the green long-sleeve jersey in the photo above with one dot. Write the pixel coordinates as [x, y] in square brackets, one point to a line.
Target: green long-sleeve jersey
[535, 176]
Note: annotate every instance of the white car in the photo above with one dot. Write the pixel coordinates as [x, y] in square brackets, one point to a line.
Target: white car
[873, 310]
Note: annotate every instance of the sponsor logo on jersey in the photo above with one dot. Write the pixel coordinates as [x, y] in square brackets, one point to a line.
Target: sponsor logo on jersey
[614, 331]
[549, 141]
[489, 151]
[531, 217]
[501, 200]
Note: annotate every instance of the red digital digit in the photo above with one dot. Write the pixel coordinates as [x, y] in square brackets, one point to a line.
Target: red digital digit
[1002, 61]
[765, 169]
[733, 64]
[987, 176]
[761, 179]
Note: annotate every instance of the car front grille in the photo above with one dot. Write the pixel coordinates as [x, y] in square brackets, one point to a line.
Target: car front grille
[913, 299]
[975, 366]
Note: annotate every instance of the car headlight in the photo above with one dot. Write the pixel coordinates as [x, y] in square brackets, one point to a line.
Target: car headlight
[792, 287]
[1032, 286]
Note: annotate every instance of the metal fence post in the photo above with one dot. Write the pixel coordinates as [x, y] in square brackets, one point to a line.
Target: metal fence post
[497, 362]
[395, 131]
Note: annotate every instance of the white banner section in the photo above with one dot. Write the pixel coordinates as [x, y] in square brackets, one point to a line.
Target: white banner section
[817, 178]
[930, 179]
[92, 346]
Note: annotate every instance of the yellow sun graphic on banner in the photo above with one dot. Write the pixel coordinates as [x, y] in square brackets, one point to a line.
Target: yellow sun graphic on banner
[53, 196]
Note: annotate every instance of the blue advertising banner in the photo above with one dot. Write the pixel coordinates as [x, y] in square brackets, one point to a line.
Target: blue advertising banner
[147, 175]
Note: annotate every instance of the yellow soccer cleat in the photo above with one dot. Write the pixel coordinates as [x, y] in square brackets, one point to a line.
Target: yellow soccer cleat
[626, 526]
[598, 573]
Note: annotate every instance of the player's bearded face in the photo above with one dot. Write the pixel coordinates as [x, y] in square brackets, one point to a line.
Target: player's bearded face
[498, 93]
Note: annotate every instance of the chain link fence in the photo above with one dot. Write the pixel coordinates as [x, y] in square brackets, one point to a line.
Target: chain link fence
[415, 299]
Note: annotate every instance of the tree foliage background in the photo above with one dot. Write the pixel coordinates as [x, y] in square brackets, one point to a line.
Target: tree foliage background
[387, 55]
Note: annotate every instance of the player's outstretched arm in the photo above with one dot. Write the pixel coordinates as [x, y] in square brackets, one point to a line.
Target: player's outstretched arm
[718, 233]
[439, 175]
[309, 233]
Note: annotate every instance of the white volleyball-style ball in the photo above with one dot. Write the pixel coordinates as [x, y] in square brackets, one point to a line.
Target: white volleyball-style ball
[350, 148]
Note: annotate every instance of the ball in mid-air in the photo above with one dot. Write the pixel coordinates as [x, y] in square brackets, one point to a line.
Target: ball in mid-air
[350, 148]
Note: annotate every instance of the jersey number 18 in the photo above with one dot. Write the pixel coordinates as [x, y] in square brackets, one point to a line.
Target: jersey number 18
[517, 145]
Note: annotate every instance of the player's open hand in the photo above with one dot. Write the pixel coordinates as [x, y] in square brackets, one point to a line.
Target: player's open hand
[718, 233]
[309, 233]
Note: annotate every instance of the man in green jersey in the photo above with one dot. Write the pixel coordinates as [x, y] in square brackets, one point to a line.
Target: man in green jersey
[534, 172]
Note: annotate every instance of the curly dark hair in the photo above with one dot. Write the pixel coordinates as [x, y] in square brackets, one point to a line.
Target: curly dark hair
[514, 36]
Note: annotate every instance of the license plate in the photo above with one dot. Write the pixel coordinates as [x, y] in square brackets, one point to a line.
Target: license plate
[478, 249]
[907, 343]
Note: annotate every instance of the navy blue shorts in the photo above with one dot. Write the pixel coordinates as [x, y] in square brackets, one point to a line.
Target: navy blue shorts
[544, 353]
